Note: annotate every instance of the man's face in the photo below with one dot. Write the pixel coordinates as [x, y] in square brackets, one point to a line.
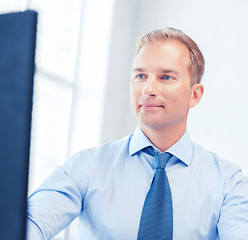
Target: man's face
[161, 94]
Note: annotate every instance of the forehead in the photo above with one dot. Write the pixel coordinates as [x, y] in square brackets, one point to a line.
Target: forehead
[163, 54]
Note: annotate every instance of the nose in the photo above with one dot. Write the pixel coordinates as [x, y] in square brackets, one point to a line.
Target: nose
[151, 87]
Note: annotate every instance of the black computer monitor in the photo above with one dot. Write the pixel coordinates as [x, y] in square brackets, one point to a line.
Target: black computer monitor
[17, 52]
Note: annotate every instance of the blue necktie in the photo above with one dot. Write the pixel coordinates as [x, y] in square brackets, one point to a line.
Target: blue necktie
[157, 216]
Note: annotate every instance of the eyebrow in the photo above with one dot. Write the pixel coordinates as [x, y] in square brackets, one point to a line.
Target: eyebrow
[165, 71]
[138, 70]
[170, 71]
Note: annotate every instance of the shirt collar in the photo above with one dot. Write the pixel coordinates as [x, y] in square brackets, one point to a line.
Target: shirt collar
[182, 149]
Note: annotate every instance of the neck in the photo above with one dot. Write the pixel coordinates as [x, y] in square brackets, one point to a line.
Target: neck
[163, 139]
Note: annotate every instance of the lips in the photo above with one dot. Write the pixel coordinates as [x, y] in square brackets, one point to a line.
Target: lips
[151, 106]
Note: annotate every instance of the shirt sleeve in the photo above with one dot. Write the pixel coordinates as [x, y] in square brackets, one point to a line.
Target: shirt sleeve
[33, 230]
[233, 220]
[53, 206]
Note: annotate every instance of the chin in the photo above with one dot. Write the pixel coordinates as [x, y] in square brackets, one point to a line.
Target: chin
[152, 125]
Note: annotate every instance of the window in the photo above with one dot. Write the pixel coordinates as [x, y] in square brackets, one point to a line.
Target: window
[71, 59]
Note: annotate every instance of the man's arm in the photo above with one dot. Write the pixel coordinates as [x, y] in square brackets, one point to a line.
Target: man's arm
[233, 220]
[33, 230]
[53, 206]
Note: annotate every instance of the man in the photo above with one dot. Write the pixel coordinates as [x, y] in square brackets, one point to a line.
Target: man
[108, 187]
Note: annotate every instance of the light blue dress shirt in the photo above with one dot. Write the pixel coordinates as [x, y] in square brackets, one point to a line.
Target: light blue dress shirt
[106, 188]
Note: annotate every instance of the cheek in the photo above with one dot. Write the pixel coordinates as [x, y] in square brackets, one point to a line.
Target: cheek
[133, 96]
[134, 92]
[181, 97]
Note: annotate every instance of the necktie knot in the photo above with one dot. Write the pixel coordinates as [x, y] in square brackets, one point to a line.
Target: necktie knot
[162, 159]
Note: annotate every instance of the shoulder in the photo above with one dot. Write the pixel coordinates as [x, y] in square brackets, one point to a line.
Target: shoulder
[222, 174]
[113, 147]
[95, 163]
[225, 168]
[104, 154]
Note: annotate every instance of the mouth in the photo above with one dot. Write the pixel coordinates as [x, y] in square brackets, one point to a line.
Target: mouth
[151, 106]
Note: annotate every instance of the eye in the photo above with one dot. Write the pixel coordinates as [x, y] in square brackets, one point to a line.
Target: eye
[166, 77]
[140, 76]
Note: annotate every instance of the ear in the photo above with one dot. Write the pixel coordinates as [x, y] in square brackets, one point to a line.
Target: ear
[196, 94]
